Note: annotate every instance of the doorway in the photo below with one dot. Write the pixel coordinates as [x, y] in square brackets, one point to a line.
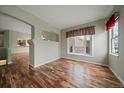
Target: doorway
[15, 34]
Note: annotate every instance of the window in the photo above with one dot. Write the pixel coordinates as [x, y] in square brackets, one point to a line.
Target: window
[114, 39]
[80, 45]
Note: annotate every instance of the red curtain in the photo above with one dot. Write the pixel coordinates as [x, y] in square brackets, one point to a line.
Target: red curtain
[110, 23]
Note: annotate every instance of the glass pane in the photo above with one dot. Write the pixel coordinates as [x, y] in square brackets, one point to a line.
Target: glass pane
[115, 46]
[88, 47]
[71, 44]
[115, 30]
[80, 44]
[88, 37]
[88, 44]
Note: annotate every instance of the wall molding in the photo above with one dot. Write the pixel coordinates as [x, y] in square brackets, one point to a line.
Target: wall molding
[81, 61]
[101, 65]
[116, 75]
[31, 65]
[85, 61]
[10, 62]
[49, 61]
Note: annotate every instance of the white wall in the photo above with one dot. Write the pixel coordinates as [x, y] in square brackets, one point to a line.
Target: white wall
[100, 44]
[45, 51]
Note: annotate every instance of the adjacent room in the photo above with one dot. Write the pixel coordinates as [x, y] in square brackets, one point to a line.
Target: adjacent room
[61, 46]
[14, 36]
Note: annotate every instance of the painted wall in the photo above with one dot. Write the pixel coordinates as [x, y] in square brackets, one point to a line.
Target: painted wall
[1, 39]
[99, 43]
[13, 37]
[4, 38]
[117, 62]
[42, 51]
[4, 50]
[3, 53]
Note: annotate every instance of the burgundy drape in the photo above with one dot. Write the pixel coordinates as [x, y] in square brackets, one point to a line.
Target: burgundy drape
[111, 22]
[81, 31]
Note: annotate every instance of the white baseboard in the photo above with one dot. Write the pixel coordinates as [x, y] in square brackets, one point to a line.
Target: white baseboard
[116, 75]
[86, 61]
[31, 65]
[99, 64]
[83, 61]
[10, 62]
[46, 62]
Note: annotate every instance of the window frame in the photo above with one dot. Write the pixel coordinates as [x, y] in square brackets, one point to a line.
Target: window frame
[83, 54]
[111, 38]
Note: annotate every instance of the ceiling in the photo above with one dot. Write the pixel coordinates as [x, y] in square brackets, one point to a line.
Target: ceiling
[9, 23]
[64, 16]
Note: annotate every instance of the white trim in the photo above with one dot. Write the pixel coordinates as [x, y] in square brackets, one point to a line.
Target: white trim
[10, 62]
[114, 54]
[31, 65]
[86, 61]
[116, 75]
[85, 55]
[110, 40]
[49, 61]
[80, 61]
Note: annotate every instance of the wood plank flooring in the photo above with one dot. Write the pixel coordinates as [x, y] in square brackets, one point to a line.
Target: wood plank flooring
[62, 73]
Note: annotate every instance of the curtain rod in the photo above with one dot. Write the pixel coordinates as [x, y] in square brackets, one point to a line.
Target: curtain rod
[115, 13]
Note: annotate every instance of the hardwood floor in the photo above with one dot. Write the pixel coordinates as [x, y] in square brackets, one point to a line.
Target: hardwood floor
[21, 59]
[62, 73]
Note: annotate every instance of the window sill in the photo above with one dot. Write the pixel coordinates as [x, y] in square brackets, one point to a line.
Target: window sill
[80, 54]
[114, 54]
